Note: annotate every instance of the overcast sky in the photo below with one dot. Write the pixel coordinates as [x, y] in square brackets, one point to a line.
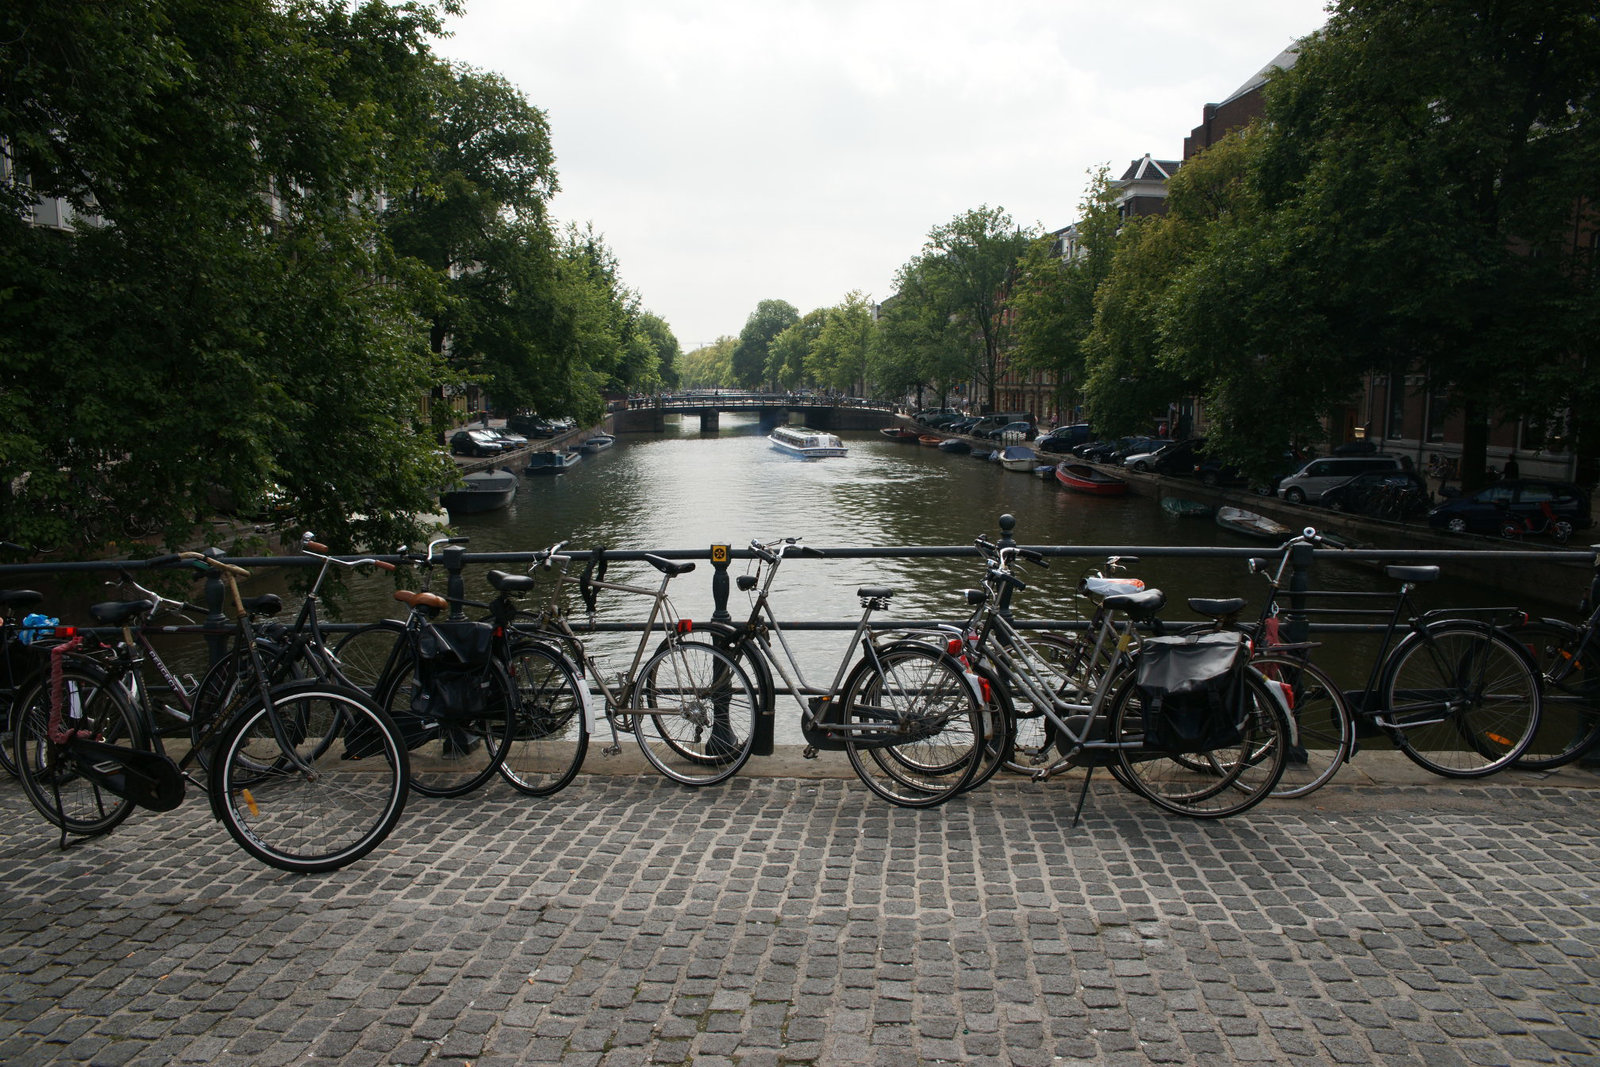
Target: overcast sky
[733, 152]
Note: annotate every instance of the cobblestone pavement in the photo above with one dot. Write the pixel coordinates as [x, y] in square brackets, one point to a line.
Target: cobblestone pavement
[773, 920]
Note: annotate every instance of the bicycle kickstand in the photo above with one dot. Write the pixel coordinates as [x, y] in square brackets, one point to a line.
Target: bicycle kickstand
[1083, 795]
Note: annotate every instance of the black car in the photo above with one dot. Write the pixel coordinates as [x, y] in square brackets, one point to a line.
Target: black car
[1026, 429]
[1063, 439]
[531, 426]
[1515, 507]
[476, 443]
[1396, 495]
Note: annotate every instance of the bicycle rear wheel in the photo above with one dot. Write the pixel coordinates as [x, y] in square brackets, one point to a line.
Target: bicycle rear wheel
[549, 734]
[694, 711]
[913, 729]
[1222, 781]
[339, 807]
[364, 652]
[1460, 700]
[52, 778]
[1569, 711]
[1323, 731]
[454, 750]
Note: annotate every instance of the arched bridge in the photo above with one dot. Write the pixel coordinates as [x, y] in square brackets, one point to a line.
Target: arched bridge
[648, 414]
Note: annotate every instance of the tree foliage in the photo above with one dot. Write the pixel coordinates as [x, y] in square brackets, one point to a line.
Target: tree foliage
[750, 355]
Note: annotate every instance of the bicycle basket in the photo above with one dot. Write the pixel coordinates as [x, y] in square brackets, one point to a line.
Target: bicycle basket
[1193, 690]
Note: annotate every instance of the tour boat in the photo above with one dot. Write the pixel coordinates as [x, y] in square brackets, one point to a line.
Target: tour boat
[551, 462]
[480, 491]
[1082, 478]
[806, 443]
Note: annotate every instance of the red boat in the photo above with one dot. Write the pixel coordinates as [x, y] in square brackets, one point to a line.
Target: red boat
[899, 433]
[1082, 478]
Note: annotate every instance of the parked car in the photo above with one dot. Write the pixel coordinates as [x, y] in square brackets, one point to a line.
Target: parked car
[1102, 451]
[476, 443]
[1135, 445]
[1396, 495]
[1026, 429]
[1320, 475]
[1174, 457]
[509, 438]
[531, 426]
[1518, 506]
[1214, 471]
[992, 422]
[1063, 439]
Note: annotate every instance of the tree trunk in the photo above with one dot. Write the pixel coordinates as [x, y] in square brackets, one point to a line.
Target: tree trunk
[1474, 446]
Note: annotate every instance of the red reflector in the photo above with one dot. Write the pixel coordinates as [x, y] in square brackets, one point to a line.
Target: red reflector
[953, 646]
[685, 626]
[64, 631]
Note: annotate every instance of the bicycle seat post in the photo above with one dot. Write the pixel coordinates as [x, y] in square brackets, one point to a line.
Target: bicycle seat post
[216, 618]
[456, 587]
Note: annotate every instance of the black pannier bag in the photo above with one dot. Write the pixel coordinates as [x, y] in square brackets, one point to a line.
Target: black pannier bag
[453, 683]
[1193, 691]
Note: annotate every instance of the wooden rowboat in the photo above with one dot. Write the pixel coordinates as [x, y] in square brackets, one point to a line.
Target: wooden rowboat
[1082, 478]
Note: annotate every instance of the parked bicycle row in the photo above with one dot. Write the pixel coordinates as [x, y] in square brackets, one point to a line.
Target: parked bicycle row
[307, 745]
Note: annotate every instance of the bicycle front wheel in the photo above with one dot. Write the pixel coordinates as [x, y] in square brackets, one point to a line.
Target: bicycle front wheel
[1228, 779]
[1461, 700]
[363, 653]
[334, 801]
[549, 736]
[1323, 731]
[912, 727]
[1569, 710]
[694, 713]
[61, 789]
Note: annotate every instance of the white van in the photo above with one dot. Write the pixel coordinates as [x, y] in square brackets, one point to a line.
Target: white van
[1310, 481]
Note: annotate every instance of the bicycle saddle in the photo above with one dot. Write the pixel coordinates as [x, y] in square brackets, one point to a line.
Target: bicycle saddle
[510, 583]
[119, 612]
[1216, 609]
[421, 600]
[666, 566]
[874, 592]
[20, 598]
[1140, 606]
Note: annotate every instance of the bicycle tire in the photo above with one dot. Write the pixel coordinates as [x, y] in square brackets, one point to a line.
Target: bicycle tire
[930, 721]
[1223, 781]
[1569, 709]
[1324, 733]
[48, 772]
[452, 751]
[1460, 699]
[1068, 659]
[998, 723]
[694, 713]
[225, 688]
[549, 730]
[320, 821]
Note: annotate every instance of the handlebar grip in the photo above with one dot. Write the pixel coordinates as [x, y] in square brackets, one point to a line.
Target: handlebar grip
[807, 550]
[383, 564]
[1033, 557]
[314, 546]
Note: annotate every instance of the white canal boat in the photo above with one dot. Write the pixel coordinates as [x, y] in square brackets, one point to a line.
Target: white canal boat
[806, 443]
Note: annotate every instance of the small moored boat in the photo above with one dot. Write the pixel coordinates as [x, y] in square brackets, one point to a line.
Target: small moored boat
[1082, 478]
[598, 443]
[806, 443]
[551, 462]
[480, 491]
[931, 440]
[899, 433]
[955, 445]
[1185, 509]
[1019, 458]
[1251, 524]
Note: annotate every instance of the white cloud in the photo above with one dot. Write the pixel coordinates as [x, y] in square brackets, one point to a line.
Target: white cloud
[799, 149]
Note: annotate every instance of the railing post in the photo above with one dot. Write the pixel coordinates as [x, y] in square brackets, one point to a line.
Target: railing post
[1008, 524]
[455, 585]
[719, 584]
[1297, 625]
[216, 617]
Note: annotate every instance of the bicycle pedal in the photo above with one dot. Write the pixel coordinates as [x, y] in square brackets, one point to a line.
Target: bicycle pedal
[611, 750]
[809, 752]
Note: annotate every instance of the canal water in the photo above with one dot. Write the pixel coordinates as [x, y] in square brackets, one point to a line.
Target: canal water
[686, 489]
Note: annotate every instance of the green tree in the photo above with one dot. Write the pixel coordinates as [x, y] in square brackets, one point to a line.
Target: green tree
[789, 352]
[708, 367]
[1053, 296]
[768, 320]
[231, 316]
[962, 275]
[1421, 172]
[838, 358]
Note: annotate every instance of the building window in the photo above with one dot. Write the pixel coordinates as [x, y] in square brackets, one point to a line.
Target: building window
[1397, 406]
[1438, 400]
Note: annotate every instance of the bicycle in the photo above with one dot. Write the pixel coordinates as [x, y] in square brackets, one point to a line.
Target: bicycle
[689, 705]
[17, 666]
[908, 715]
[288, 791]
[1458, 696]
[1106, 713]
[1569, 720]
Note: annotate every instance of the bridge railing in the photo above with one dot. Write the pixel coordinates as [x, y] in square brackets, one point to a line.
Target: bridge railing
[728, 401]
